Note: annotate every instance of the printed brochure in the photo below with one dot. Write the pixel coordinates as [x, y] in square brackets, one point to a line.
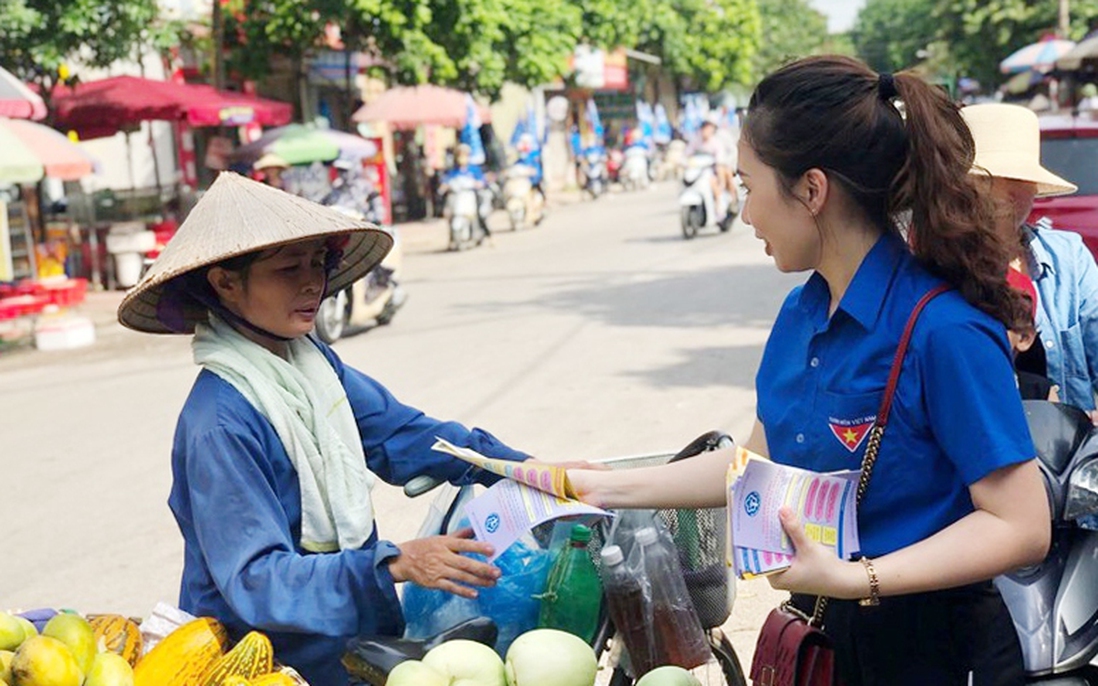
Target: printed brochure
[825, 503]
[530, 495]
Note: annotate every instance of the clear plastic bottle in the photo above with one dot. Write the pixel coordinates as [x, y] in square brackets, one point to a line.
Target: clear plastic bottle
[630, 610]
[573, 593]
[674, 621]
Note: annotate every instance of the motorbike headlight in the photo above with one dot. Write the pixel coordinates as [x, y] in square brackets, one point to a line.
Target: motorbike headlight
[1082, 496]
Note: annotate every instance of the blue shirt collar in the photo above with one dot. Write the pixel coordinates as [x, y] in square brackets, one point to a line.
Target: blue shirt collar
[1040, 261]
[865, 295]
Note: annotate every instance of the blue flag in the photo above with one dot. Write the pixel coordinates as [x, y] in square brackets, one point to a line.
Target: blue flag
[594, 120]
[663, 126]
[470, 133]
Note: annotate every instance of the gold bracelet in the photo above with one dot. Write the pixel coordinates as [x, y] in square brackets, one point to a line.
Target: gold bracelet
[874, 598]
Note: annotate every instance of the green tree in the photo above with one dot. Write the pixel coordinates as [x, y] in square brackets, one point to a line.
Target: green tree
[891, 35]
[472, 44]
[488, 42]
[707, 44]
[38, 36]
[981, 33]
[785, 38]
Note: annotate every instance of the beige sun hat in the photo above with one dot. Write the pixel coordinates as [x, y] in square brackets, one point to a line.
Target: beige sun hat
[1008, 145]
[271, 161]
[237, 216]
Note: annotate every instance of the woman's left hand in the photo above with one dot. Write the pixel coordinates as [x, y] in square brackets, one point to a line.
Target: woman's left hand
[815, 569]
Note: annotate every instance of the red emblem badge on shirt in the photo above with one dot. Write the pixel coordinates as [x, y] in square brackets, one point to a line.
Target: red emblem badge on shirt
[851, 433]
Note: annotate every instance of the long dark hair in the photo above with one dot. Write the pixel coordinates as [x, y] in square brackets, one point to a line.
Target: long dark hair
[835, 114]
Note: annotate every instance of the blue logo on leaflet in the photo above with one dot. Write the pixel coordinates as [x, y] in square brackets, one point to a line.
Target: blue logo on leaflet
[492, 523]
[752, 503]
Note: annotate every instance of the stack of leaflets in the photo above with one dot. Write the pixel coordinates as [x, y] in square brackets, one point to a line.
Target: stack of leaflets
[825, 504]
[531, 493]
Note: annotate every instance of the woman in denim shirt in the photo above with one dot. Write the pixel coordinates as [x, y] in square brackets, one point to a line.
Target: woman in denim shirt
[1063, 270]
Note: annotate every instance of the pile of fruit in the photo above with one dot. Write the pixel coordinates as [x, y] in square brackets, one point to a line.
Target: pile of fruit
[106, 650]
[542, 657]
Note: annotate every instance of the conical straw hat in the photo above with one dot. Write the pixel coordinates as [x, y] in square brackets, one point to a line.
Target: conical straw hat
[238, 216]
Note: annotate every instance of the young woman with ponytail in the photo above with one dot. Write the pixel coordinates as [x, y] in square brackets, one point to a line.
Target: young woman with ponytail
[879, 206]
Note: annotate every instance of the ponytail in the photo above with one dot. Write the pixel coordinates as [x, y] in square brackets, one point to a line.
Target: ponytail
[952, 231]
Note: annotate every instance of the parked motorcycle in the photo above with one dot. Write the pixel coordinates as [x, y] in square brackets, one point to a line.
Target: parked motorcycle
[370, 301]
[635, 173]
[1054, 604]
[524, 202]
[699, 209]
[466, 210]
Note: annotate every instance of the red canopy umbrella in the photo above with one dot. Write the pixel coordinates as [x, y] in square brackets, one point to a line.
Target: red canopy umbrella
[102, 108]
[18, 101]
[231, 108]
[407, 107]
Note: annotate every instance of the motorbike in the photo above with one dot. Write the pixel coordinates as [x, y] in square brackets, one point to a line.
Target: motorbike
[465, 209]
[524, 202]
[635, 173]
[369, 658]
[1054, 604]
[370, 301]
[699, 209]
[593, 164]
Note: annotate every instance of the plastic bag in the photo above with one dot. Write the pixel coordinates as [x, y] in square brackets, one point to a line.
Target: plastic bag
[511, 603]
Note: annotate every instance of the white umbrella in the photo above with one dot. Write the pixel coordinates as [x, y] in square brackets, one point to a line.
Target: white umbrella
[17, 101]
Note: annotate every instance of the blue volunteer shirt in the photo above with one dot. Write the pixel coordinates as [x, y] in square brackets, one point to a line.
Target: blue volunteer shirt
[956, 417]
[236, 499]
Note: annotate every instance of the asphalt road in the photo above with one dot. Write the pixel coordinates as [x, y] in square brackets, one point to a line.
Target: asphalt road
[600, 333]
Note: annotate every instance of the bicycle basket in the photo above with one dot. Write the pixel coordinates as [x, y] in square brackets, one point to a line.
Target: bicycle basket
[700, 538]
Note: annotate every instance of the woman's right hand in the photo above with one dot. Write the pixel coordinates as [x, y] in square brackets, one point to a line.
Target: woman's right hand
[437, 562]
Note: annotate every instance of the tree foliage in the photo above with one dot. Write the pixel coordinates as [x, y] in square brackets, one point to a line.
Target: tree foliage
[477, 45]
[709, 43]
[981, 33]
[38, 36]
[471, 44]
[784, 38]
[891, 35]
[973, 35]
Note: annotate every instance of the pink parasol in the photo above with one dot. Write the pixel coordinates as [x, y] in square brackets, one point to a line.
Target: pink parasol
[407, 107]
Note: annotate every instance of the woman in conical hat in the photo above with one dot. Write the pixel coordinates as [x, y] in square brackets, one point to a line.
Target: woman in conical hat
[1008, 160]
[279, 442]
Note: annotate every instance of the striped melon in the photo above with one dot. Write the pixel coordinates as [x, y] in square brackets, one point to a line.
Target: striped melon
[184, 655]
[250, 658]
[117, 634]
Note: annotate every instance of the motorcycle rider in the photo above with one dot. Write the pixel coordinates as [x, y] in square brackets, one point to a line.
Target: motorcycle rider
[352, 190]
[529, 154]
[709, 143]
[463, 167]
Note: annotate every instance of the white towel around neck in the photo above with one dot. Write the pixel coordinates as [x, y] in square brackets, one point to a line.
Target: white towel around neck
[305, 402]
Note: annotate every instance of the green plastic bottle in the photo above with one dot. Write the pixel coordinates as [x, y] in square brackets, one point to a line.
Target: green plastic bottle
[573, 593]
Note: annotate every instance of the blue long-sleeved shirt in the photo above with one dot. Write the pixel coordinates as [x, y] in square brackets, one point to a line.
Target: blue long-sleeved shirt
[236, 499]
[1066, 278]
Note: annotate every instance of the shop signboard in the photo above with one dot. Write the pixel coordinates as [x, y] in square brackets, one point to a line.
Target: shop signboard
[599, 70]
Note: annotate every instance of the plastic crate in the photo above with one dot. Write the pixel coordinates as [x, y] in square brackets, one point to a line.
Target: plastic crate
[22, 305]
[66, 293]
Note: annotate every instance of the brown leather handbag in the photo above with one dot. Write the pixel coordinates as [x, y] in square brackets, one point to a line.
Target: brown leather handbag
[792, 649]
